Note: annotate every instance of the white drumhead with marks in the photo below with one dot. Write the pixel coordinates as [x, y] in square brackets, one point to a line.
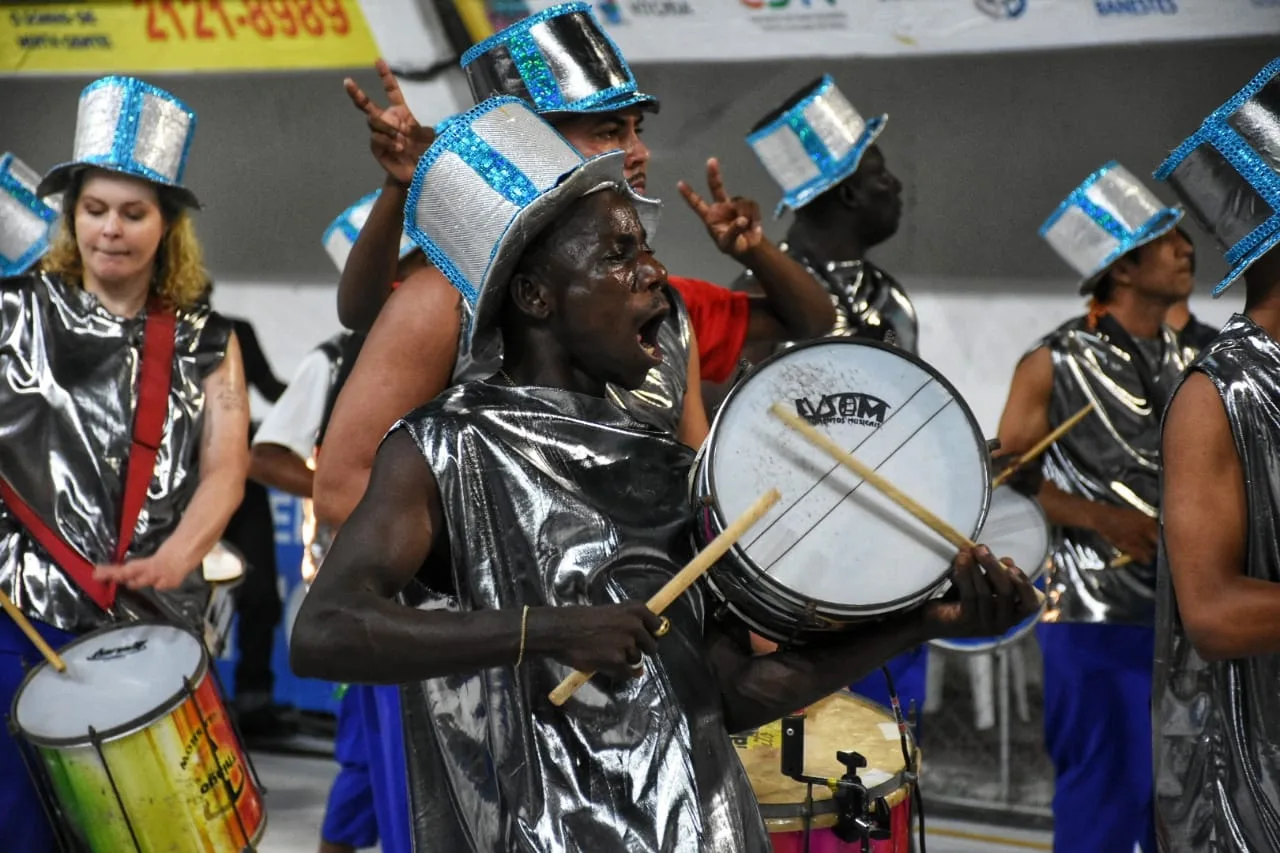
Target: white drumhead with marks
[1016, 527]
[833, 538]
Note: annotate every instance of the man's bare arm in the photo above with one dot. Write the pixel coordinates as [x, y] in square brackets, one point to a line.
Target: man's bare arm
[370, 271]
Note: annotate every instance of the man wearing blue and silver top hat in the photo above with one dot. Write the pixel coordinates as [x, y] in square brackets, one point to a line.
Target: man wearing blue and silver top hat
[1216, 703]
[1101, 488]
[27, 222]
[521, 521]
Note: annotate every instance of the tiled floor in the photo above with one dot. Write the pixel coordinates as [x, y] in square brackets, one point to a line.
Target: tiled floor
[298, 787]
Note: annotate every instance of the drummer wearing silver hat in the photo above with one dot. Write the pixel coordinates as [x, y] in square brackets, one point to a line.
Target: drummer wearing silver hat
[122, 402]
[1217, 674]
[580, 510]
[1102, 489]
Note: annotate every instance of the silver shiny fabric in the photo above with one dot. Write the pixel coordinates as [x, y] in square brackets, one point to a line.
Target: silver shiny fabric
[1111, 457]
[869, 302]
[1217, 725]
[68, 388]
[659, 402]
[592, 508]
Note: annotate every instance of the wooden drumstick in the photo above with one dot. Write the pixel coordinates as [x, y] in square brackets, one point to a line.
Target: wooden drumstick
[1041, 446]
[683, 579]
[870, 475]
[1120, 562]
[54, 659]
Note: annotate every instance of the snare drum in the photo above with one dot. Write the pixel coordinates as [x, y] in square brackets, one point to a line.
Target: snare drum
[836, 551]
[1016, 527]
[134, 748]
[840, 723]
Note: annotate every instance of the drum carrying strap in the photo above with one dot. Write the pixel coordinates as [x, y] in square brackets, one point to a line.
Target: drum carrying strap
[154, 376]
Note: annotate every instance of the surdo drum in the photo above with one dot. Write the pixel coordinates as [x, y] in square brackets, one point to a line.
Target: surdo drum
[835, 551]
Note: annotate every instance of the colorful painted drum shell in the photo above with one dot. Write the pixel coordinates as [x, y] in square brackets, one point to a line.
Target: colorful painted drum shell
[836, 551]
[179, 780]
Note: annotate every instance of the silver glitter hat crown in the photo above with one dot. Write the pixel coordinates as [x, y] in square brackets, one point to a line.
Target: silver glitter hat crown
[341, 234]
[1228, 173]
[813, 143]
[1109, 215]
[125, 125]
[493, 179]
[559, 60]
[26, 222]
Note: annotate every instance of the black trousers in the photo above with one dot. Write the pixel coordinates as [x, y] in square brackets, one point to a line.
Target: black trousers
[252, 532]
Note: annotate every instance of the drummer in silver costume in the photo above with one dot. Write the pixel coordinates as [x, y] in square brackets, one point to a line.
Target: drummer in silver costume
[1216, 708]
[1102, 489]
[581, 511]
[70, 358]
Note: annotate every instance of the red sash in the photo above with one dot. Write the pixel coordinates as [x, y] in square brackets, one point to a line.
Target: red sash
[155, 375]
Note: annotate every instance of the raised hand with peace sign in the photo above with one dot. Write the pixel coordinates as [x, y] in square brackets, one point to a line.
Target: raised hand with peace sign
[733, 223]
[397, 140]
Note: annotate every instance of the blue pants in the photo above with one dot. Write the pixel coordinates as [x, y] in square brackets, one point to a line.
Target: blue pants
[369, 801]
[909, 678]
[23, 825]
[1097, 729]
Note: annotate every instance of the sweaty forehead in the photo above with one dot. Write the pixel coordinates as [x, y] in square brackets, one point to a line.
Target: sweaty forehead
[594, 221]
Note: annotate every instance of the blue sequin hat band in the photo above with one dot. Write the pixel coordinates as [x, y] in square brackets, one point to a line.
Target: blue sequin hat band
[125, 125]
[559, 60]
[1228, 173]
[813, 143]
[494, 178]
[1109, 215]
[341, 234]
[26, 222]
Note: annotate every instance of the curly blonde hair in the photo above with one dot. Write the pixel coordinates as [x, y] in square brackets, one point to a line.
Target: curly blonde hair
[180, 278]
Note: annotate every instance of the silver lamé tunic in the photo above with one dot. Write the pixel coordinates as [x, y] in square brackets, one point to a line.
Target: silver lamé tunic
[1111, 457]
[550, 499]
[1217, 725]
[68, 389]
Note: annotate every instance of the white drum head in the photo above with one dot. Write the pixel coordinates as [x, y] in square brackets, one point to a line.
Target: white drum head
[117, 679]
[834, 539]
[1016, 527]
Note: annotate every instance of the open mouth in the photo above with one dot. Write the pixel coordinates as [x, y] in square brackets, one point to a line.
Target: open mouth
[637, 183]
[647, 337]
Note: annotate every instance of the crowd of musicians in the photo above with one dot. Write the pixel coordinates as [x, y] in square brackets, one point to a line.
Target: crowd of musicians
[499, 455]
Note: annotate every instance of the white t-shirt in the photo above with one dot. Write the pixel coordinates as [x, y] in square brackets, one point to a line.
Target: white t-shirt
[295, 419]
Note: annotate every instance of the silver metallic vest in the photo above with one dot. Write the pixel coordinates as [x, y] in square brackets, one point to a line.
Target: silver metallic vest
[594, 511]
[869, 302]
[659, 402]
[67, 399]
[1217, 725]
[1111, 457]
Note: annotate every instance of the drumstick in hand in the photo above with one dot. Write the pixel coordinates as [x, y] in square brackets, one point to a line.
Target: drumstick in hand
[1041, 446]
[54, 659]
[683, 579]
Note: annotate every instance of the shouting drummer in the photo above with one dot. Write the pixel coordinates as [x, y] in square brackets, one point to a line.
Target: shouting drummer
[1101, 487]
[541, 564]
[122, 402]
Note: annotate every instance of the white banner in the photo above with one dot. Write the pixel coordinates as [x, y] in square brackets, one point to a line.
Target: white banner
[746, 30]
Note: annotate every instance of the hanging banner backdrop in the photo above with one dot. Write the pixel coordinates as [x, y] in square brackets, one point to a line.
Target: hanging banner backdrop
[147, 36]
[748, 30]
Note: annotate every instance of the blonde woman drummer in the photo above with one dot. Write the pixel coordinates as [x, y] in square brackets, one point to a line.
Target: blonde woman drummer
[105, 344]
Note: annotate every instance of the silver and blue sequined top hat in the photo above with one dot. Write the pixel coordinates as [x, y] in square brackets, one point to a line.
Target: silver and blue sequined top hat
[128, 126]
[26, 222]
[1106, 217]
[813, 142]
[1228, 173]
[341, 234]
[493, 179]
[560, 60]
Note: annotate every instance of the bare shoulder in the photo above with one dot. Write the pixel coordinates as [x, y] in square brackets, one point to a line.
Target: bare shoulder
[1197, 420]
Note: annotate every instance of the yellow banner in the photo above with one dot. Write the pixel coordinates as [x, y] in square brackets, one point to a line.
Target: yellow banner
[140, 36]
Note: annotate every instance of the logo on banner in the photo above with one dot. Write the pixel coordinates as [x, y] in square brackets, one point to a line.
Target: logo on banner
[1002, 10]
[611, 11]
[793, 5]
[1136, 7]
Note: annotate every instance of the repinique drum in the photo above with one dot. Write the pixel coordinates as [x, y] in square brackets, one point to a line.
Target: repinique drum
[1016, 527]
[841, 722]
[835, 551]
[135, 748]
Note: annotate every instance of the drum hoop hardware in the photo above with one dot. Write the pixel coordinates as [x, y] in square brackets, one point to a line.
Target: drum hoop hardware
[96, 742]
[244, 750]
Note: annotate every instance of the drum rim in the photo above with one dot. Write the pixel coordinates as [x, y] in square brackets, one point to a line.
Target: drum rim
[948, 644]
[131, 726]
[704, 460]
[1041, 569]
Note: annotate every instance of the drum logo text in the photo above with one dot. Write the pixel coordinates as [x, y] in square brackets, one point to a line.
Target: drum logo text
[847, 408]
[119, 651]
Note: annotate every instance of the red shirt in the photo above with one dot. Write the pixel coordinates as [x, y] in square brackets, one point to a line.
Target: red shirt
[719, 317]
